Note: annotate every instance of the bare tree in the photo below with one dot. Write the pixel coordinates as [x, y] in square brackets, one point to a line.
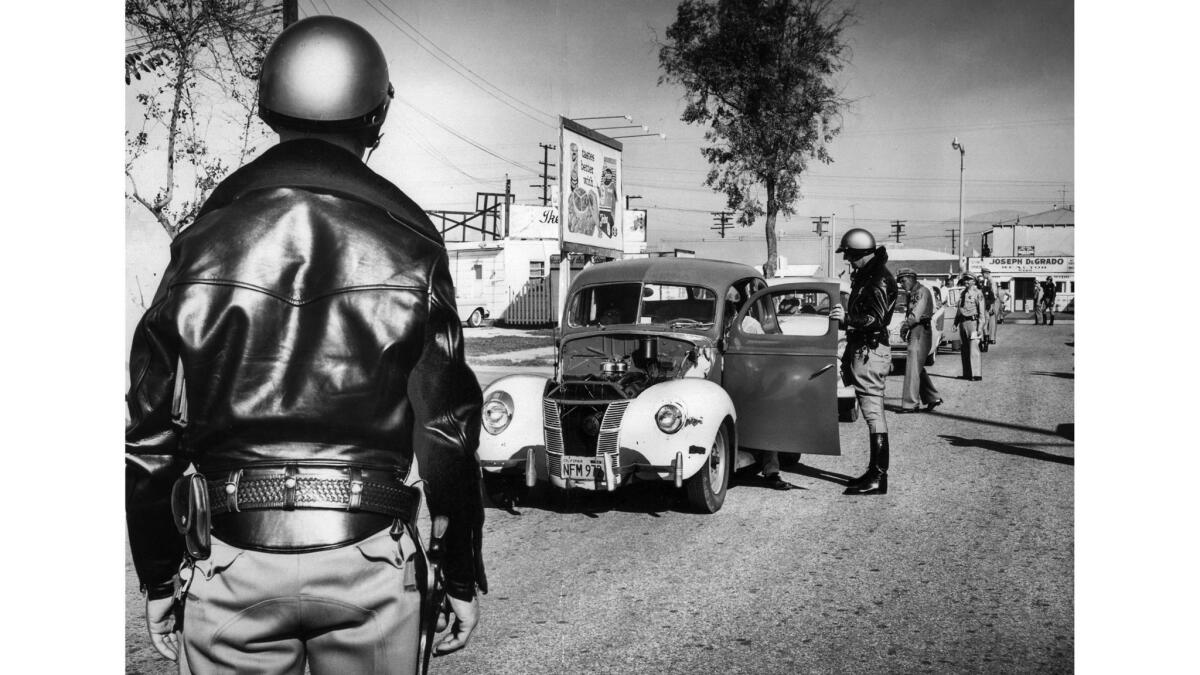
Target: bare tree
[759, 73]
[193, 66]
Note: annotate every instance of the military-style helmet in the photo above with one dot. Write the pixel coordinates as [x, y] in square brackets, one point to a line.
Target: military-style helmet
[857, 241]
[325, 74]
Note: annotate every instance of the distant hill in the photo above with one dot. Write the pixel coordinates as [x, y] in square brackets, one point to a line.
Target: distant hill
[995, 216]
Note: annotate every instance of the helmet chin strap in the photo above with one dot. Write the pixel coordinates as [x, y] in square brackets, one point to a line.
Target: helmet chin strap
[371, 150]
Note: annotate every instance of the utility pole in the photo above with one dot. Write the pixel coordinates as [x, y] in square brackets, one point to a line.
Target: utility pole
[722, 220]
[507, 200]
[545, 172]
[898, 226]
[819, 224]
[291, 12]
[962, 159]
[953, 238]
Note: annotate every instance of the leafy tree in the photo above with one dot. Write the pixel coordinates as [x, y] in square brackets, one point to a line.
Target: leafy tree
[192, 67]
[759, 73]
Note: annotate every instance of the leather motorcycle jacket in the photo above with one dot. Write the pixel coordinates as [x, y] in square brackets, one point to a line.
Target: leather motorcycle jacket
[872, 298]
[311, 308]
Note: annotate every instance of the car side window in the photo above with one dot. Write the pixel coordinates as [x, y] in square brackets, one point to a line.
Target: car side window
[804, 313]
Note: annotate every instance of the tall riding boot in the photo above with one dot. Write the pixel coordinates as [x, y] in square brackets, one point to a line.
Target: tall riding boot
[874, 481]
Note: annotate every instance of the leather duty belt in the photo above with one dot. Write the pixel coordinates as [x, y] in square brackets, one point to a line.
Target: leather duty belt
[288, 487]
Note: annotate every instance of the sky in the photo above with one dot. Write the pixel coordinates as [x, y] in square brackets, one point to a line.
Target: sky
[481, 83]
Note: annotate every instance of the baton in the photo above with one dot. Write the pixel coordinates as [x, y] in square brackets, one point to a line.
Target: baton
[435, 595]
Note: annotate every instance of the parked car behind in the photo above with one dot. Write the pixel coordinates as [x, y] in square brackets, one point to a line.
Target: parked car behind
[658, 377]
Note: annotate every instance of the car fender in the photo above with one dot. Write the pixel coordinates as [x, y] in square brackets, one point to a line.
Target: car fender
[705, 408]
[524, 430]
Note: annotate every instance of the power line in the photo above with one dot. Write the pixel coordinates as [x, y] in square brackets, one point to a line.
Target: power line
[464, 138]
[461, 65]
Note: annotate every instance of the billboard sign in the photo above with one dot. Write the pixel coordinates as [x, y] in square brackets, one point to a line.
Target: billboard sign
[590, 191]
[635, 226]
[532, 222]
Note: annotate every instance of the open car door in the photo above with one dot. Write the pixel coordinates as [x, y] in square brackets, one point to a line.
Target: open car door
[784, 381]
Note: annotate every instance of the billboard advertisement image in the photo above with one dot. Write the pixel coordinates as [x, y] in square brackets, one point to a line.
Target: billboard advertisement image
[590, 171]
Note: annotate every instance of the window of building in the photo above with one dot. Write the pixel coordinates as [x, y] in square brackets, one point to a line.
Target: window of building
[537, 269]
[478, 267]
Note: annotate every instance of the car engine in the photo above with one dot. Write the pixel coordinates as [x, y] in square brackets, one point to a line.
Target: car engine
[615, 367]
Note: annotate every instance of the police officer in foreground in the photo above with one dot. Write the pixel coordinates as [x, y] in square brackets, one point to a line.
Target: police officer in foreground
[307, 317]
[916, 330]
[868, 356]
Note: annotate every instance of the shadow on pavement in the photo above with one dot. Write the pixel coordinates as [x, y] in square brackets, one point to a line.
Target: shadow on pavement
[1003, 425]
[1005, 448]
[1067, 431]
[1068, 376]
[821, 474]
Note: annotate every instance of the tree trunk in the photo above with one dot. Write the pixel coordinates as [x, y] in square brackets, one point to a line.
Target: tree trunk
[772, 264]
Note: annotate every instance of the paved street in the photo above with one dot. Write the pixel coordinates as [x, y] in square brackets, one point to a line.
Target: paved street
[966, 566]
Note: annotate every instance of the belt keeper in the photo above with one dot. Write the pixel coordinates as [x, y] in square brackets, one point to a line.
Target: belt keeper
[356, 489]
[290, 483]
[231, 491]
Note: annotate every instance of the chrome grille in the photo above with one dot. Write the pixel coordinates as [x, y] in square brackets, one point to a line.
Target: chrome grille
[550, 412]
[610, 426]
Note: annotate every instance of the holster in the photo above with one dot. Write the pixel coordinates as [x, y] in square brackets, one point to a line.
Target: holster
[192, 515]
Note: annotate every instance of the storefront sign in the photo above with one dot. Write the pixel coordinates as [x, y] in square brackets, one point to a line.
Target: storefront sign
[1025, 250]
[1024, 265]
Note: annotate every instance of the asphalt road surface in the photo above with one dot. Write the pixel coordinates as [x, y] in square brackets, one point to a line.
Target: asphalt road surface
[965, 566]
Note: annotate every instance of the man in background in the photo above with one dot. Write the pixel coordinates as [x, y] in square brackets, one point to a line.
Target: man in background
[970, 312]
[916, 330]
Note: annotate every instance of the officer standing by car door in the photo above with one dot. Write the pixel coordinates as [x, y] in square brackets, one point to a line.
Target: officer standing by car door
[970, 312]
[312, 309]
[916, 330]
[868, 356]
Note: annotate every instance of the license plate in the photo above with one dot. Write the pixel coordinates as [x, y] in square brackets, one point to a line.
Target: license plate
[580, 468]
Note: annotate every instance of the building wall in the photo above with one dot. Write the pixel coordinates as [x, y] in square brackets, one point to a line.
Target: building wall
[1047, 240]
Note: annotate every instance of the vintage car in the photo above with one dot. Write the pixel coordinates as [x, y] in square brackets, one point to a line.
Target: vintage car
[668, 369]
[937, 325]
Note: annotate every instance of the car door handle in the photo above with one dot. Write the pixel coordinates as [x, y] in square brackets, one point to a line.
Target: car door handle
[814, 375]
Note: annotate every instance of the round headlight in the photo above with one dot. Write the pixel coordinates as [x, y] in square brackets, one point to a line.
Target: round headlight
[669, 418]
[497, 412]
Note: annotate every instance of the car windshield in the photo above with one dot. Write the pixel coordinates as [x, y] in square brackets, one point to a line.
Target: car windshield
[664, 304]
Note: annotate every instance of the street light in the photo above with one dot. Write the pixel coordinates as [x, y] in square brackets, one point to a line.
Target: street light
[643, 127]
[962, 153]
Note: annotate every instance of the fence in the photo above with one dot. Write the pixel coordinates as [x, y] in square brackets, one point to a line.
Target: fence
[531, 305]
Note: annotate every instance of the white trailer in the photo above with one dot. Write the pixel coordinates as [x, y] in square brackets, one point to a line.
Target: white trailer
[502, 280]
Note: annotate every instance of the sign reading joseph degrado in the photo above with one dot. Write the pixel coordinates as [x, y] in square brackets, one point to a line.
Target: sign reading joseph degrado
[590, 171]
[1062, 264]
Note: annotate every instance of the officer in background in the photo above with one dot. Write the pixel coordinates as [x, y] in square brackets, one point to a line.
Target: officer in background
[970, 311]
[916, 330]
[1037, 302]
[308, 317]
[868, 356]
[1049, 292]
[991, 297]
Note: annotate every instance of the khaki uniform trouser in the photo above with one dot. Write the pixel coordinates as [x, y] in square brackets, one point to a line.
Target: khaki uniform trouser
[918, 387]
[989, 324]
[972, 366]
[866, 369]
[353, 609]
